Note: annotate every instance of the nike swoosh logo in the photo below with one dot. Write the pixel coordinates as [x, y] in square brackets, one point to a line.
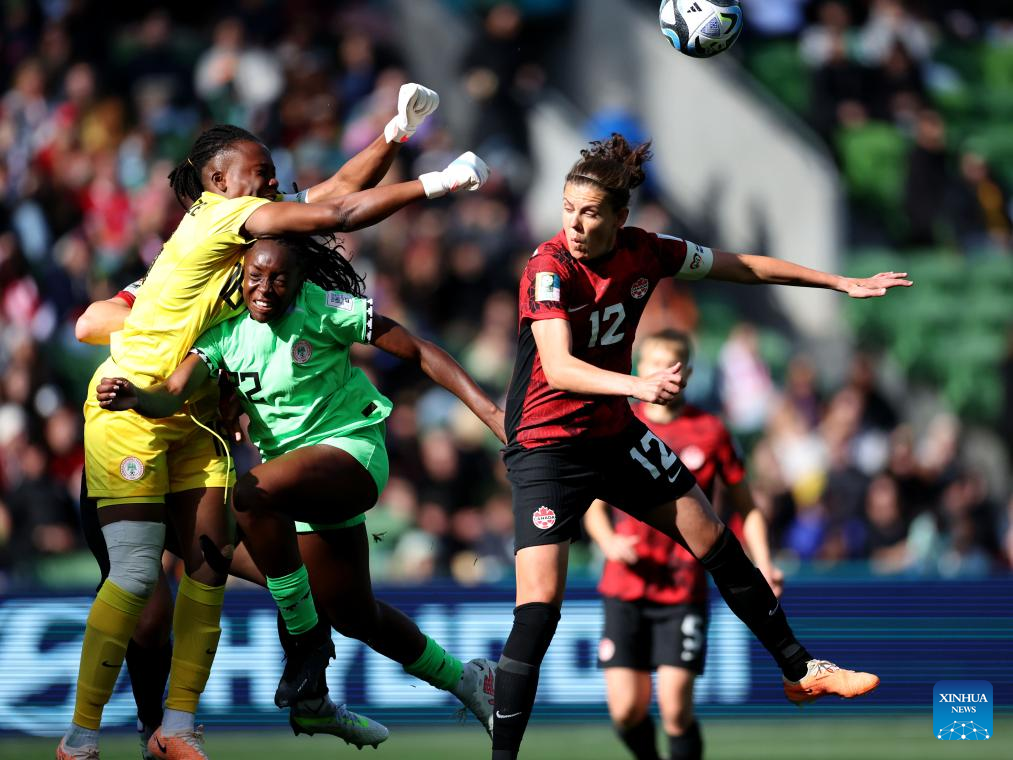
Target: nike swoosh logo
[161, 747]
[578, 308]
[671, 478]
[107, 664]
[771, 613]
[504, 717]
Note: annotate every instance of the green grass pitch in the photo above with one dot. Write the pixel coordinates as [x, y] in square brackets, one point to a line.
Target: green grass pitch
[804, 738]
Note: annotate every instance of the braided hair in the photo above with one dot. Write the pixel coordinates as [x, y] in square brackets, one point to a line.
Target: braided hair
[324, 263]
[613, 165]
[185, 179]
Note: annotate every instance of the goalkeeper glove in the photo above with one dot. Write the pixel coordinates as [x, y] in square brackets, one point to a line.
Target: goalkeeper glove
[414, 104]
[466, 172]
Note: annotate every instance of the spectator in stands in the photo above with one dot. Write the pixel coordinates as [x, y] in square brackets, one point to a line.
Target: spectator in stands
[980, 207]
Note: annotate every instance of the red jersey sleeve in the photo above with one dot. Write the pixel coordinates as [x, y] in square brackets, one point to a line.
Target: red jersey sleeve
[733, 471]
[544, 285]
[671, 252]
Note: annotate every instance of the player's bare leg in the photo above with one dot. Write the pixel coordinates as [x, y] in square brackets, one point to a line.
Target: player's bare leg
[338, 563]
[629, 702]
[541, 581]
[299, 485]
[691, 521]
[675, 702]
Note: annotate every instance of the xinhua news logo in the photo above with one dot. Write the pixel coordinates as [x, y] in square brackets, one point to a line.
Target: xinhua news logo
[962, 710]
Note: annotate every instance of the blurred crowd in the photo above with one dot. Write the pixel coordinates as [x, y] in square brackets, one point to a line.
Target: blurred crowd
[918, 89]
[93, 115]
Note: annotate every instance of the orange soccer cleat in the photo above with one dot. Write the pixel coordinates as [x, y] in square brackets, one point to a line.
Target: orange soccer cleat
[186, 746]
[824, 678]
[63, 752]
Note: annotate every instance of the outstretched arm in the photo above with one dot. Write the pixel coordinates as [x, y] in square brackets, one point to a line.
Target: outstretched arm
[160, 400]
[752, 270]
[361, 172]
[391, 337]
[366, 207]
[565, 372]
[369, 166]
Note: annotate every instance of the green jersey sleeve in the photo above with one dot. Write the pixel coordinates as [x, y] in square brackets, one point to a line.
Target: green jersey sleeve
[208, 348]
[348, 319]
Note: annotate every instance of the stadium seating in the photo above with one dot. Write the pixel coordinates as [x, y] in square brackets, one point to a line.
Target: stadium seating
[951, 328]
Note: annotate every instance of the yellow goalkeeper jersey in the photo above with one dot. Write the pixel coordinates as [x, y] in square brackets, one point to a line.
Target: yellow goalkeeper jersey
[193, 284]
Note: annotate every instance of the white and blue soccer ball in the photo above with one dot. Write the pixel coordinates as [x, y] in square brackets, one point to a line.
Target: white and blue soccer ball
[700, 28]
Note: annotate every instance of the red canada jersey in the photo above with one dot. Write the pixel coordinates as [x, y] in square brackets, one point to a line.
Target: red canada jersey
[603, 300]
[666, 573]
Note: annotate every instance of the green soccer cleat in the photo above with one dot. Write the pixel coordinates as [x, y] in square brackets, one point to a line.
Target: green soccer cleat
[322, 716]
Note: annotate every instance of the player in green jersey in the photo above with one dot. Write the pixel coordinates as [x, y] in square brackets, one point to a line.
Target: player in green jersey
[318, 422]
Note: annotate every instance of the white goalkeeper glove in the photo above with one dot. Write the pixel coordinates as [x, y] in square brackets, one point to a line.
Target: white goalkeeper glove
[466, 172]
[414, 104]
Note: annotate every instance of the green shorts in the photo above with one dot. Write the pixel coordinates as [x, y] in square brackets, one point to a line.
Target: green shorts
[369, 447]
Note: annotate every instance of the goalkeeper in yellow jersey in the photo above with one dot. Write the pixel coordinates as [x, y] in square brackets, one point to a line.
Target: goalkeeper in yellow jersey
[140, 469]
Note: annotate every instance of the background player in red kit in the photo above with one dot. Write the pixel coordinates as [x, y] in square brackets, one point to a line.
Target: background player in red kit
[571, 436]
[655, 592]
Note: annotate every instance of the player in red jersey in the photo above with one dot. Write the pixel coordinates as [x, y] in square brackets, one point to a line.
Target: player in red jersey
[572, 437]
[655, 592]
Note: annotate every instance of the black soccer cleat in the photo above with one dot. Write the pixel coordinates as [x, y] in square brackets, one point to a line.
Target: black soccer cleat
[306, 658]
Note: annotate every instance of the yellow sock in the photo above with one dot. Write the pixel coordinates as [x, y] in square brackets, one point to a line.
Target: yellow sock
[111, 623]
[196, 628]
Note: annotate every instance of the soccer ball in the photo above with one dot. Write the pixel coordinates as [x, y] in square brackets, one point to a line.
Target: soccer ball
[700, 28]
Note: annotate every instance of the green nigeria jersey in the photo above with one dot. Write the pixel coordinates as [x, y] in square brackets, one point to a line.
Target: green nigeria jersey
[293, 375]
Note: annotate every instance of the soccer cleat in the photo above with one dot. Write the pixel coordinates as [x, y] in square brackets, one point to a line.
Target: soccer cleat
[476, 690]
[306, 658]
[63, 752]
[185, 746]
[322, 716]
[143, 734]
[824, 678]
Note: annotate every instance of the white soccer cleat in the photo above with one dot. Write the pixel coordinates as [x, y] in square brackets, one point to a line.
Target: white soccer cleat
[322, 716]
[476, 690]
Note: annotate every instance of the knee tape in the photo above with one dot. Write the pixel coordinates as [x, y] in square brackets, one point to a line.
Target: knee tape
[135, 555]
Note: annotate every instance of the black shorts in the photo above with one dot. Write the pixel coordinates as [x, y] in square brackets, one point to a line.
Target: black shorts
[644, 635]
[554, 485]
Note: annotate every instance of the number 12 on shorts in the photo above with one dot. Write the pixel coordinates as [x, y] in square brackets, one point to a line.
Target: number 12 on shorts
[668, 459]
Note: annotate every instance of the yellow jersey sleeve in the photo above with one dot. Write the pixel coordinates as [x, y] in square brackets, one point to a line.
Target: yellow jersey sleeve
[193, 285]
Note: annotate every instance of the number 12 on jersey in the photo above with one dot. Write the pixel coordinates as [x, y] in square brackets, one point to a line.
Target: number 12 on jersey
[667, 458]
[613, 317]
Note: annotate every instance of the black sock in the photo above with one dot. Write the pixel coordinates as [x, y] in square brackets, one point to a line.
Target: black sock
[287, 640]
[149, 670]
[747, 594]
[688, 745]
[640, 739]
[517, 675]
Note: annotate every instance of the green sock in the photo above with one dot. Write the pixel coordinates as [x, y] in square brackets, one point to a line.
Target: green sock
[295, 600]
[435, 666]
